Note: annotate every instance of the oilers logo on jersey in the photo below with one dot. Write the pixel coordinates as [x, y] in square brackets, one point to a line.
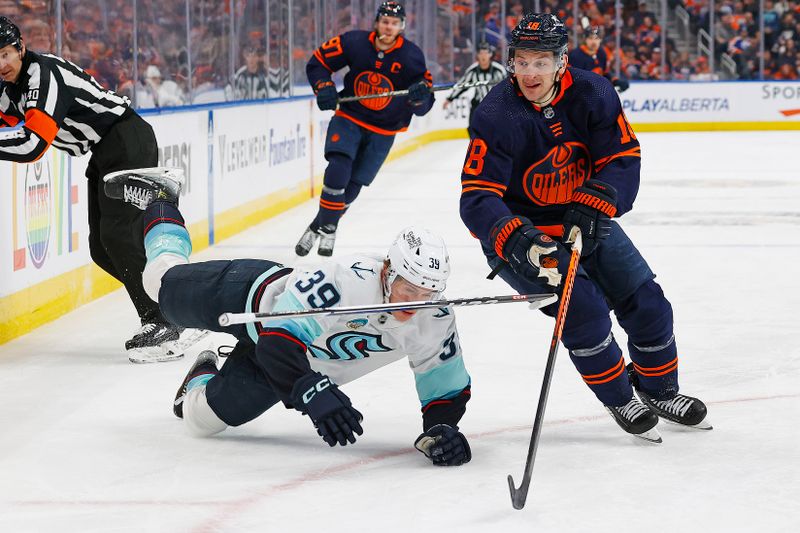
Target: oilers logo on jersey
[552, 179]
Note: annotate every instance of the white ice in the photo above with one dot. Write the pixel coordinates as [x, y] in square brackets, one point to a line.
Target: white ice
[88, 441]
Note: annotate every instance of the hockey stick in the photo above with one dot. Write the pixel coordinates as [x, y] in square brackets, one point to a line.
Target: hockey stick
[403, 92]
[535, 300]
[519, 495]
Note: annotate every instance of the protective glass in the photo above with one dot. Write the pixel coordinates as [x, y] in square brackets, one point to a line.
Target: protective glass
[405, 291]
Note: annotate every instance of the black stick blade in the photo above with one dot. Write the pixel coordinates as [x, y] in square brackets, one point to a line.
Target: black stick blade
[518, 496]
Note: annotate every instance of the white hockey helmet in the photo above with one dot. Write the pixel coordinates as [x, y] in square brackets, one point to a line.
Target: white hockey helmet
[420, 257]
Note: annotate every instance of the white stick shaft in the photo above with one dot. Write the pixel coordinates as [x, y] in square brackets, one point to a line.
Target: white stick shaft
[535, 300]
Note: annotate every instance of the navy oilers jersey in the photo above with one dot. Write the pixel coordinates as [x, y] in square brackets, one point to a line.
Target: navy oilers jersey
[372, 71]
[526, 160]
[583, 59]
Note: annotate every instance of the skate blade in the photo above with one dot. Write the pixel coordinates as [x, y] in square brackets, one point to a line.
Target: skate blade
[168, 351]
[703, 425]
[156, 354]
[651, 435]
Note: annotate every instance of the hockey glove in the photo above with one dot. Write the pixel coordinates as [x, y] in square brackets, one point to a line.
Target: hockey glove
[328, 407]
[621, 85]
[444, 445]
[327, 96]
[591, 210]
[529, 252]
[418, 93]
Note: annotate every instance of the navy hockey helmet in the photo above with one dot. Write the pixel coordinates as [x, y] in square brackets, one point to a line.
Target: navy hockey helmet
[391, 9]
[541, 32]
[9, 34]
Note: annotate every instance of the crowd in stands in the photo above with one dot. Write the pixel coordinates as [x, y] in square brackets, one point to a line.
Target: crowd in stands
[179, 63]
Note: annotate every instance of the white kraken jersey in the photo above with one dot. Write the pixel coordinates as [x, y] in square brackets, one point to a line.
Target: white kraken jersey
[346, 347]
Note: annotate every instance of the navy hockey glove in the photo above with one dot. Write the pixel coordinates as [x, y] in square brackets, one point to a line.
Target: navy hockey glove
[530, 253]
[621, 85]
[327, 96]
[418, 93]
[591, 210]
[444, 445]
[328, 407]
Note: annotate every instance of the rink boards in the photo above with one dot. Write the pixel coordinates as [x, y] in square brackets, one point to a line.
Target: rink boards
[246, 162]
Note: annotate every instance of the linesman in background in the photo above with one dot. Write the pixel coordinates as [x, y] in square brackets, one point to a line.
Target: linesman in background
[59, 104]
[484, 70]
[250, 81]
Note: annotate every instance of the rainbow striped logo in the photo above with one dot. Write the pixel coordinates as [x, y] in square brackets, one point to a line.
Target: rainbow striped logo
[37, 210]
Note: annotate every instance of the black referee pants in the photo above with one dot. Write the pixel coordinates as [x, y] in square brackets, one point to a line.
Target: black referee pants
[116, 243]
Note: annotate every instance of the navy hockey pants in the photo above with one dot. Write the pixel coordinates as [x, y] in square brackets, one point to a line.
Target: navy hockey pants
[355, 155]
[193, 296]
[615, 277]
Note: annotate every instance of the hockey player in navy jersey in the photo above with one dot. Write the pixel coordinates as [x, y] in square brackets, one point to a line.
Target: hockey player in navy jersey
[361, 133]
[591, 55]
[302, 362]
[551, 151]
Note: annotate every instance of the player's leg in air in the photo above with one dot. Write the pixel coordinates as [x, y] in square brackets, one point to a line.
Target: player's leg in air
[193, 295]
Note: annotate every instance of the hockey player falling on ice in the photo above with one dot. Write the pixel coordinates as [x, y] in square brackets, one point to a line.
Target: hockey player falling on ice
[552, 150]
[361, 133]
[60, 105]
[301, 362]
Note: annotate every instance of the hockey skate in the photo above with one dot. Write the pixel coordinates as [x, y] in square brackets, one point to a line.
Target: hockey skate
[325, 234]
[683, 410]
[157, 342]
[327, 238]
[206, 364]
[636, 419]
[142, 186]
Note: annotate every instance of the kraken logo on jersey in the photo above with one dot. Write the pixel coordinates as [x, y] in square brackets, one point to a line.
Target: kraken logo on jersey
[347, 345]
[552, 179]
[369, 82]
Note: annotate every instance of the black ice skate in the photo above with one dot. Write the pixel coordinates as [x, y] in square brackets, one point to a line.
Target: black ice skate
[142, 186]
[327, 238]
[682, 409]
[205, 364]
[157, 342]
[636, 419]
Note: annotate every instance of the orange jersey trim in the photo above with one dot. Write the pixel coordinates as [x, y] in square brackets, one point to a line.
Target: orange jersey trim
[374, 129]
[319, 58]
[41, 124]
[632, 152]
[483, 189]
[566, 83]
[486, 183]
[397, 43]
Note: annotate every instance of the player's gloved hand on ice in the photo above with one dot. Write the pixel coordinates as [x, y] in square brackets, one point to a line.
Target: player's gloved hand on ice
[530, 253]
[621, 85]
[327, 96]
[329, 408]
[591, 209]
[418, 93]
[444, 445]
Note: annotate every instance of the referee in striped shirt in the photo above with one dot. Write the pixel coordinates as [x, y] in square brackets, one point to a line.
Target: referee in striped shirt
[483, 70]
[63, 106]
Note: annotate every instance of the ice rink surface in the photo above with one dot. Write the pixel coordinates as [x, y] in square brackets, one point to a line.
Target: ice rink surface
[88, 442]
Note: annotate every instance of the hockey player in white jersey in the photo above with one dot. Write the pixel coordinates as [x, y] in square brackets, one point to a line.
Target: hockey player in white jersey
[303, 361]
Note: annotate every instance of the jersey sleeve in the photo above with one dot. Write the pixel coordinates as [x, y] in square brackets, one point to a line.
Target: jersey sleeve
[45, 109]
[282, 344]
[442, 381]
[458, 88]
[615, 151]
[327, 59]
[485, 175]
[418, 71]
